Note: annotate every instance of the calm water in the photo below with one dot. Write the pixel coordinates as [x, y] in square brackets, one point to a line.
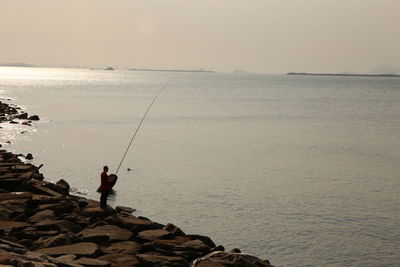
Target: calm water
[304, 171]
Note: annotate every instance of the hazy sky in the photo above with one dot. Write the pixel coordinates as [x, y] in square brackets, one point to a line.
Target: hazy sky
[269, 36]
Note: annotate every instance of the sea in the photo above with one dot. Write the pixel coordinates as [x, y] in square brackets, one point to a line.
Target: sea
[300, 170]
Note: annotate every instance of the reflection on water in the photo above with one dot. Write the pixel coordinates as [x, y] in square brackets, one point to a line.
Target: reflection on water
[299, 170]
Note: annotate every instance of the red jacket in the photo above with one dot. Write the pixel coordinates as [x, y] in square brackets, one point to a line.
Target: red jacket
[104, 182]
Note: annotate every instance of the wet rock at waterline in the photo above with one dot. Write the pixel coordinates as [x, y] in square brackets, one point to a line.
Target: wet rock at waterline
[34, 118]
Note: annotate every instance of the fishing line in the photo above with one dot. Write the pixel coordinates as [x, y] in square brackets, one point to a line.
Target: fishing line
[137, 128]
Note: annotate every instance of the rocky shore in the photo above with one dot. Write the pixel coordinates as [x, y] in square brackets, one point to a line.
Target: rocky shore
[41, 224]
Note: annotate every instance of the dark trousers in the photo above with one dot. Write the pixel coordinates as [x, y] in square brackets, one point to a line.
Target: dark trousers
[103, 198]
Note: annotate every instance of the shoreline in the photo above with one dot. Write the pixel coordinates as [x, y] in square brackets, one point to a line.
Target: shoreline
[41, 224]
[342, 74]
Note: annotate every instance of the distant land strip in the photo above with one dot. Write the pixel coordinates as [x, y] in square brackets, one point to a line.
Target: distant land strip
[343, 74]
[17, 65]
[208, 71]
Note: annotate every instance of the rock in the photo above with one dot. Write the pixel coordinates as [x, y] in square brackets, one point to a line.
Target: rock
[4, 259]
[60, 187]
[124, 209]
[182, 246]
[15, 195]
[29, 156]
[227, 259]
[114, 233]
[9, 225]
[45, 199]
[176, 231]
[34, 118]
[26, 242]
[161, 260]
[205, 239]
[53, 241]
[132, 223]
[97, 212]
[77, 219]
[12, 248]
[217, 248]
[82, 203]
[151, 235]
[122, 247]
[80, 249]
[10, 182]
[23, 116]
[63, 206]
[64, 185]
[38, 187]
[30, 233]
[14, 122]
[12, 244]
[68, 257]
[92, 262]
[121, 259]
[41, 216]
[58, 225]
[11, 209]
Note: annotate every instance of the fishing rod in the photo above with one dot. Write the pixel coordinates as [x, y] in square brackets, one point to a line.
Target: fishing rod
[137, 128]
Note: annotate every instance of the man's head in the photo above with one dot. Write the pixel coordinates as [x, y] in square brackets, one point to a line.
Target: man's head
[105, 168]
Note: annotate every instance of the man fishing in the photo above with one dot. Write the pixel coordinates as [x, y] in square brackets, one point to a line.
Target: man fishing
[104, 188]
